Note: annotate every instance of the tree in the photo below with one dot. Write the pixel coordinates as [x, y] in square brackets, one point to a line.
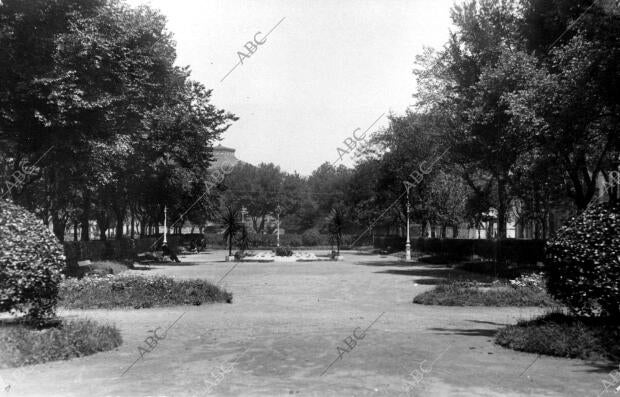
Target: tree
[415, 153]
[97, 83]
[327, 184]
[448, 198]
[260, 189]
[231, 226]
[336, 227]
[569, 116]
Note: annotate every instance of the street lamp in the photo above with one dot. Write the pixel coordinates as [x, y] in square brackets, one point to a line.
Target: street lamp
[408, 186]
[278, 210]
[165, 222]
[243, 212]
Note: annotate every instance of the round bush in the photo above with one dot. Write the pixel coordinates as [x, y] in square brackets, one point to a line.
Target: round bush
[283, 251]
[583, 262]
[31, 264]
[311, 237]
[293, 240]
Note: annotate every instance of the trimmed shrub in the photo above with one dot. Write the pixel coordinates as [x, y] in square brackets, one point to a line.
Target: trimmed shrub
[466, 293]
[31, 264]
[284, 251]
[556, 334]
[583, 262]
[311, 237]
[22, 345]
[128, 290]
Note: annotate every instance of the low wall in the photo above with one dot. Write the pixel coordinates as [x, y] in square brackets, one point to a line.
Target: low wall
[293, 240]
[510, 250]
[111, 249]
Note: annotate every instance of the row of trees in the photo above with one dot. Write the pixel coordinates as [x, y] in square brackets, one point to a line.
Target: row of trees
[524, 97]
[517, 115]
[92, 83]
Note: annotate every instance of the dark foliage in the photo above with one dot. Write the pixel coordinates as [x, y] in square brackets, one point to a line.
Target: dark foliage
[22, 345]
[284, 251]
[557, 334]
[30, 265]
[138, 292]
[583, 262]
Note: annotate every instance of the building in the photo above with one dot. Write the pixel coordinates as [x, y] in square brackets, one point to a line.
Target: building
[224, 155]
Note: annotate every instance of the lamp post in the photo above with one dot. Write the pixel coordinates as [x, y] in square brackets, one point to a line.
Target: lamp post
[614, 178]
[243, 212]
[165, 222]
[278, 210]
[408, 243]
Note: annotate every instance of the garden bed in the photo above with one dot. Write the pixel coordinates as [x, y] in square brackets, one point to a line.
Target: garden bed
[561, 335]
[136, 291]
[470, 293]
[269, 256]
[21, 344]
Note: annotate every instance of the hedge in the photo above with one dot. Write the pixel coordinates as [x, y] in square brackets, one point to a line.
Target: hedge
[508, 250]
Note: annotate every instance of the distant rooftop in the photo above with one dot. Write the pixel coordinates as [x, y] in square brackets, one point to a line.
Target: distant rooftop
[221, 148]
[223, 154]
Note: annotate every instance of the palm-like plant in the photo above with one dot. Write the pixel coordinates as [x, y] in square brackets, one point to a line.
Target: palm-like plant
[336, 227]
[231, 226]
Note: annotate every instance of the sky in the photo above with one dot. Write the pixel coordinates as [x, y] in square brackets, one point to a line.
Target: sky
[327, 68]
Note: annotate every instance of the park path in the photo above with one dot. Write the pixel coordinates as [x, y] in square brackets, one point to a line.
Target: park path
[285, 327]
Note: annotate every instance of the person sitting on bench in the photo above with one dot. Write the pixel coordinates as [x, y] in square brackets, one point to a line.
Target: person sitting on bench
[168, 252]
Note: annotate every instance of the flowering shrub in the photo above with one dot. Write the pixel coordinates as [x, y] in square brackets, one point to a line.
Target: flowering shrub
[31, 263]
[583, 262]
[129, 290]
[533, 280]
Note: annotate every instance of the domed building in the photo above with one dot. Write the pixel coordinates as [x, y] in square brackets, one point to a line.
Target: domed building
[224, 155]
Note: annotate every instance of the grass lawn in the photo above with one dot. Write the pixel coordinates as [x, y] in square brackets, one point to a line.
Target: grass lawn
[21, 344]
[113, 291]
[562, 335]
[468, 293]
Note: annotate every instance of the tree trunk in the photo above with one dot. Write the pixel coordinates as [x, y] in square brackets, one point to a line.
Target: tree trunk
[133, 219]
[85, 228]
[502, 208]
[58, 225]
[102, 230]
[120, 211]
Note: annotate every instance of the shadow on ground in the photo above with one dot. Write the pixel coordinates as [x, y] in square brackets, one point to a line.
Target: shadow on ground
[171, 264]
[466, 331]
[438, 275]
[399, 263]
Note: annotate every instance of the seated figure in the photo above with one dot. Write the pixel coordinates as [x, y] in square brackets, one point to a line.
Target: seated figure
[168, 252]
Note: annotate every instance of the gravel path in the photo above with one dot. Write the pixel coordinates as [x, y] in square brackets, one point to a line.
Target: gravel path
[286, 333]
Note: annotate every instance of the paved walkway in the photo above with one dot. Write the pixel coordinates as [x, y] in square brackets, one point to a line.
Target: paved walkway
[288, 322]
